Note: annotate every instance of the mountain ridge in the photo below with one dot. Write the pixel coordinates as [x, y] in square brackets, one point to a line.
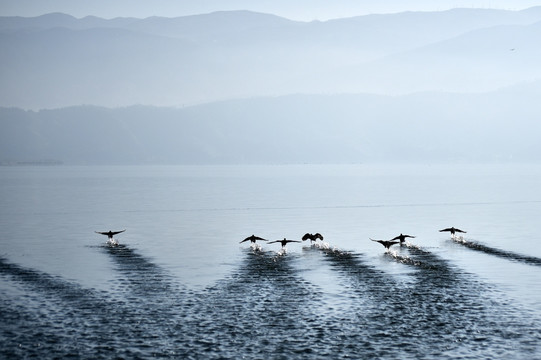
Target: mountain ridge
[350, 128]
[227, 55]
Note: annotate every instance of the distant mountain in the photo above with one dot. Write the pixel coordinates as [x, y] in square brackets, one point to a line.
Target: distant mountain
[477, 61]
[425, 127]
[55, 20]
[56, 60]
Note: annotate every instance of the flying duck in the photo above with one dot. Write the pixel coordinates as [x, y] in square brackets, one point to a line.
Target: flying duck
[453, 230]
[284, 242]
[312, 237]
[110, 233]
[386, 243]
[402, 238]
[253, 239]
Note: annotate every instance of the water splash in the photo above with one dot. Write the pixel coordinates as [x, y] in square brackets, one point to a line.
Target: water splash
[328, 248]
[402, 259]
[111, 242]
[411, 246]
[256, 247]
[322, 245]
[282, 252]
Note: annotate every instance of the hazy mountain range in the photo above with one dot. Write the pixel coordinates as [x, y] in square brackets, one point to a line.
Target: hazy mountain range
[227, 87]
[501, 126]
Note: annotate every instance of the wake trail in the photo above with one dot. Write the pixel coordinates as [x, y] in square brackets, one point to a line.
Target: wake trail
[369, 285]
[141, 276]
[44, 282]
[49, 310]
[509, 255]
[265, 298]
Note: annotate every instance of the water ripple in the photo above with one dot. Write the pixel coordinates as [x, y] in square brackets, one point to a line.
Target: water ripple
[265, 308]
[530, 260]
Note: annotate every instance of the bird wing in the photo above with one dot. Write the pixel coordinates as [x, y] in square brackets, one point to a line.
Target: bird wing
[103, 233]
[306, 237]
[380, 241]
[275, 241]
[458, 230]
[446, 229]
[318, 235]
[409, 236]
[288, 241]
[396, 238]
[117, 232]
[253, 237]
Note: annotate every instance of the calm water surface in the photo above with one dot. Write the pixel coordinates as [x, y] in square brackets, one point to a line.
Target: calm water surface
[180, 285]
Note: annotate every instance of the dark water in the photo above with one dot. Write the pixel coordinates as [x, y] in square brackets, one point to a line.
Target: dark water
[185, 288]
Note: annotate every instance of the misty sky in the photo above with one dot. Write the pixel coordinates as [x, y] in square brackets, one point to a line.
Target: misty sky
[304, 10]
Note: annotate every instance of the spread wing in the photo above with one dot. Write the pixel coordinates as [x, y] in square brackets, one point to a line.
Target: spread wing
[253, 237]
[318, 236]
[402, 237]
[458, 230]
[275, 241]
[446, 229]
[386, 243]
[288, 241]
[109, 232]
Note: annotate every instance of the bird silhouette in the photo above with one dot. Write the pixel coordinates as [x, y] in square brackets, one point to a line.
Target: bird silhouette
[253, 239]
[386, 243]
[452, 230]
[402, 238]
[312, 237]
[284, 242]
[110, 233]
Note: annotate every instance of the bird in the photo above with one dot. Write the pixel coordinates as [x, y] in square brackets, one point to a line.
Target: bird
[402, 238]
[253, 239]
[110, 233]
[312, 237]
[386, 243]
[452, 230]
[284, 242]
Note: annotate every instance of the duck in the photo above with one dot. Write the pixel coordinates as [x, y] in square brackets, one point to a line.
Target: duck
[312, 237]
[284, 242]
[386, 243]
[110, 233]
[402, 238]
[253, 239]
[452, 230]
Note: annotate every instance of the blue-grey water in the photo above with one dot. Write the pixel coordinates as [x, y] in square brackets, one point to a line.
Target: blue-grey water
[179, 284]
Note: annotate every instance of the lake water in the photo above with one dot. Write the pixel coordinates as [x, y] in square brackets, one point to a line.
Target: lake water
[180, 285]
